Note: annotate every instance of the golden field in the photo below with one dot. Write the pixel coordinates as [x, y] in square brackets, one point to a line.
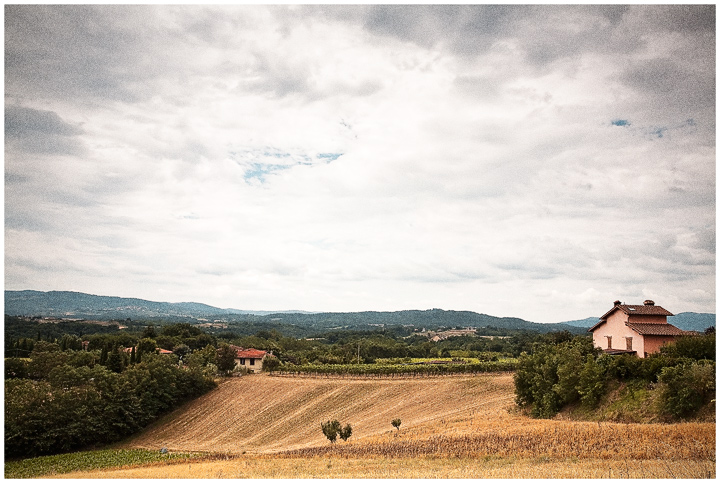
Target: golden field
[452, 427]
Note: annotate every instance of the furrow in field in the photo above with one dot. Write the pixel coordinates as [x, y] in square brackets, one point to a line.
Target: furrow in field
[259, 413]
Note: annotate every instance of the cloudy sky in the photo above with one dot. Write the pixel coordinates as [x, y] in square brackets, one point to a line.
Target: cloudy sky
[536, 162]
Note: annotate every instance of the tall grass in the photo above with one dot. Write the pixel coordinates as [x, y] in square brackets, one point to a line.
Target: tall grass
[564, 440]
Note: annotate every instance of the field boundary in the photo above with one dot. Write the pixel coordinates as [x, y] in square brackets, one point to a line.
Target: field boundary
[399, 375]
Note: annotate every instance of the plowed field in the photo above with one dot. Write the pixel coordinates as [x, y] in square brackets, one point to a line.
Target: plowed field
[261, 414]
[452, 427]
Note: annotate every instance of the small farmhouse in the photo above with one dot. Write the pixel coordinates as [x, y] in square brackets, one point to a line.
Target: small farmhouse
[634, 329]
[250, 358]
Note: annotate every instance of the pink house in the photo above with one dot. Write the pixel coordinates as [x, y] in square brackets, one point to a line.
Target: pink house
[634, 329]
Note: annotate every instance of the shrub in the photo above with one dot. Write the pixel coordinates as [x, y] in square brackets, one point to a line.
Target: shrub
[696, 347]
[591, 382]
[549, 378]
[686, 387]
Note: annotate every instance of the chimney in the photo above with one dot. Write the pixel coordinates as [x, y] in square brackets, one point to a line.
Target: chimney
[617, 302]
[649, 302]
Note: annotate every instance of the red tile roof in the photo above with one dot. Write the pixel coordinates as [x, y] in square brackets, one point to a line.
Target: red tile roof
[637, 310]
[251, 353]
[655, 329]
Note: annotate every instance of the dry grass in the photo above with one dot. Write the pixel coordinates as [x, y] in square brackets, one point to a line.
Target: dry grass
[459, 427]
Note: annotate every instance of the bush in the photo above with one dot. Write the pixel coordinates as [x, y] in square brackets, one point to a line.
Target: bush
[549, 378]
[591, 383]
[697, 347]
[686, 387]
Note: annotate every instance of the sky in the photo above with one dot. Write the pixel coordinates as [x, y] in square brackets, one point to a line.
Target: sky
[519, 161]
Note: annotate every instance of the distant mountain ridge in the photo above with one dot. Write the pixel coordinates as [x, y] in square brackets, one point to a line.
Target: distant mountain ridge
[65, 304]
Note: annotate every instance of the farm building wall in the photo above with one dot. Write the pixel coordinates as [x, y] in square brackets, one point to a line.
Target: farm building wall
[615, 328]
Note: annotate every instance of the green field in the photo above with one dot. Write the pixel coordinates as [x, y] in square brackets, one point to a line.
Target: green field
[94, 460]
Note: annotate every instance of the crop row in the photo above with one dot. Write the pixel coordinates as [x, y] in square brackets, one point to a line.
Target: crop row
[398, 369]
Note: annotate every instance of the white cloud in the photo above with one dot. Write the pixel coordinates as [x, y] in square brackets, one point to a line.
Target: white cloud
[507, 161]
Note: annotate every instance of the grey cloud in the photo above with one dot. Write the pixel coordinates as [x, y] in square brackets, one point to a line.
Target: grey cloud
[22, 121]
[41, 132]
[470, 27]
[684, 18]
[68, 51]
[660, 76]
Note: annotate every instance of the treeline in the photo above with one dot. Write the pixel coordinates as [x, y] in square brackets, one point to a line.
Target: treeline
[365, 347]
[62, 400]
[568, 370]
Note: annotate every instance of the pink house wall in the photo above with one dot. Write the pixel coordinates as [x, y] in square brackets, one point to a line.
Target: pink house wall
[616, 328]
[653, 343]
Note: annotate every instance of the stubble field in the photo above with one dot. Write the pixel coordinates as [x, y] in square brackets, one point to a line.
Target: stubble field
[452, 427]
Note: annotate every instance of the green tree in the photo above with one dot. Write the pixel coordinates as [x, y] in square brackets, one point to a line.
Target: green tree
[396, 423]
[149, 332]
[331, 429]
[345, 432]
[203, 357]
[696, 347]
[115, 360]
[16, 368]
[226, 358]
[44, 357]
[686, 387]
[146, 345]
[548, 379]
[591, 383]
[181, 350]
[271, 363]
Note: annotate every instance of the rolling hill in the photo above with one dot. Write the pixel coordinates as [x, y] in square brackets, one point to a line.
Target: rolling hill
[78, 305]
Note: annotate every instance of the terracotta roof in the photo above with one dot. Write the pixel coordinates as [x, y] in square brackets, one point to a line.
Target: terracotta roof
[251, 353]
[637, 310]
[655, 329]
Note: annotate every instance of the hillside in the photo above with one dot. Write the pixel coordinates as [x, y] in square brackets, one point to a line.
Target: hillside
[260, 413]
[452, 427]
[86, 306]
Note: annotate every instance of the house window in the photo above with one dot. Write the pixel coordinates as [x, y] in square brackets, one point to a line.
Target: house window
[628, 342]
[609, 338]
[252, 362]
[242, 361]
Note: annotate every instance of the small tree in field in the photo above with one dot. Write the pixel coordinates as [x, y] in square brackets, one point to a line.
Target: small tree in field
[331, 429]
[396, 423]
[345, 432]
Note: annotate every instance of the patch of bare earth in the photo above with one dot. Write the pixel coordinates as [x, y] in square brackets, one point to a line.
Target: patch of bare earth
[260, 414]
